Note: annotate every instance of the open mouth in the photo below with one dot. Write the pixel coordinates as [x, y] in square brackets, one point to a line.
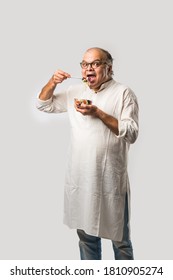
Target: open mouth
[91, 77]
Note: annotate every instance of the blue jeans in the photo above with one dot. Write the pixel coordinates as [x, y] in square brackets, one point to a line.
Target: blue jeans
[90, 246]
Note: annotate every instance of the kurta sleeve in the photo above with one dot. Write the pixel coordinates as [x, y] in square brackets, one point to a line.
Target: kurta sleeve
[128, 121]
[56, 104]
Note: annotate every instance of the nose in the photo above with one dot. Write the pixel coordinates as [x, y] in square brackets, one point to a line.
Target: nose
[90, 66]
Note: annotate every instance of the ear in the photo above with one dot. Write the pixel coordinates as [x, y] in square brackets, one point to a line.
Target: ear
[109, 68]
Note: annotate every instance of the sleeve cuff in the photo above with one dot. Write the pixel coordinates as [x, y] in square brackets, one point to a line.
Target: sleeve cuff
[44, 102]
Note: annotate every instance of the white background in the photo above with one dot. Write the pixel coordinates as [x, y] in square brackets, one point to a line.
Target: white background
[38, 37]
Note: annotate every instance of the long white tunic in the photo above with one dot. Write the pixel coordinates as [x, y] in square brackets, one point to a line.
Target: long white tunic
[96, 177]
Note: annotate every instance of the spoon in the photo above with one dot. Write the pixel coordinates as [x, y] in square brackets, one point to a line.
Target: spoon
[83, 79]
[76, 78]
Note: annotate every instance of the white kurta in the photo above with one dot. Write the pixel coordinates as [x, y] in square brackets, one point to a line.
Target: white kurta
[96, 179]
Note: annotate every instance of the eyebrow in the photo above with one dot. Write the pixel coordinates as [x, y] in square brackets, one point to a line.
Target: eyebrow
[93, 60]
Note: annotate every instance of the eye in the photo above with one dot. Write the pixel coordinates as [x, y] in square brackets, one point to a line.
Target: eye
[84, 64]
[96, 63]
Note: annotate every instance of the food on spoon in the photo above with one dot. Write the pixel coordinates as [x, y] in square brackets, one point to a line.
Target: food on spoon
[84, 80]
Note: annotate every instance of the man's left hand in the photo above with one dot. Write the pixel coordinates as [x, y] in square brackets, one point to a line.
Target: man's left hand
[87, 110]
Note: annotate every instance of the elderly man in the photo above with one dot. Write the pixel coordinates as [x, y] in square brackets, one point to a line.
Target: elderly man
[104, 122]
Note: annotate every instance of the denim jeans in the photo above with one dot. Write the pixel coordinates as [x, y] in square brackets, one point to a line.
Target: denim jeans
[90, 246]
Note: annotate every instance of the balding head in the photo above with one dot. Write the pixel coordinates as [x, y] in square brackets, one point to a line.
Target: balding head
[105, 54]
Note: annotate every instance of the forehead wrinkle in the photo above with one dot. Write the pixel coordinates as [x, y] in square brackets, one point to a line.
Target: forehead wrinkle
[92, 55]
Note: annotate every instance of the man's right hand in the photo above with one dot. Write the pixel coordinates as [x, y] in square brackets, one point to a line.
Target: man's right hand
[58, 77]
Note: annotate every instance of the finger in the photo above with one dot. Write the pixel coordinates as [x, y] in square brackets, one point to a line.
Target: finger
[59, 78]
[83, 111]
[64, 74]
[56, 79]
[84, 106]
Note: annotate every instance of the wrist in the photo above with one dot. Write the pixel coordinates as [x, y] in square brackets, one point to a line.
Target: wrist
[52, 84]
[100, 114]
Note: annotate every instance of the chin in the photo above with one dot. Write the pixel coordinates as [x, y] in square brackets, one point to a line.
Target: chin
[93, 86]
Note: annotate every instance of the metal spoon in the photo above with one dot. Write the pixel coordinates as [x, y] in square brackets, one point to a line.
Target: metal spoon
[76, 78]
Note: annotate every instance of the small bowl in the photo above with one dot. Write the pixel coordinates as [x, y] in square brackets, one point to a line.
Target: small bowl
[79, 102]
